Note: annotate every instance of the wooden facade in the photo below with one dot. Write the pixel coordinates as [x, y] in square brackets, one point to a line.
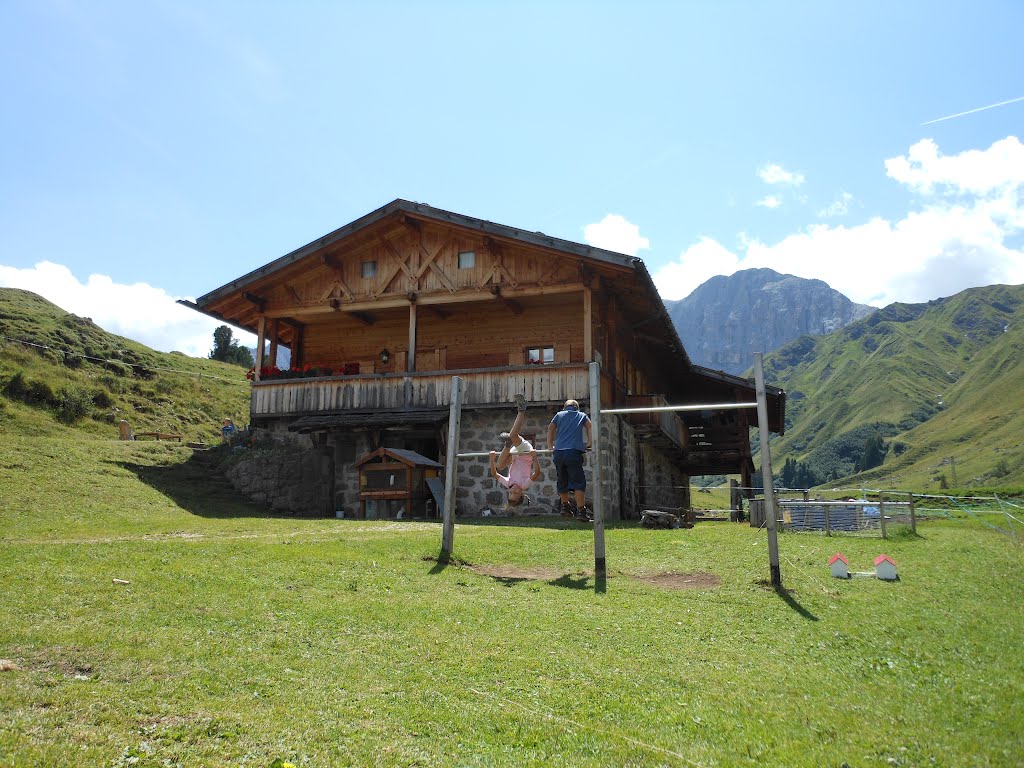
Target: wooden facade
[396, 303]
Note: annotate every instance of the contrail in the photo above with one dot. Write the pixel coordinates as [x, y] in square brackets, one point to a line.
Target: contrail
[972, 111]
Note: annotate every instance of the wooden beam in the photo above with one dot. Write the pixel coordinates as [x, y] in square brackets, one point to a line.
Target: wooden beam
[588, 324]
[273, 341]
[423, 300]
[445, 281]
[515, 306]
[411, 364]
[258, 301]
[261, 335]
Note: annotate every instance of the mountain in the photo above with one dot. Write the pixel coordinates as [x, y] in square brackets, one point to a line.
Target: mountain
[59, 371]
[726, 319]
[932, 391]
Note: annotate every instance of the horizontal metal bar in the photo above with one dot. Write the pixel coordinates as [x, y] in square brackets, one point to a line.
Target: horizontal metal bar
[664, 408]
[488, 453]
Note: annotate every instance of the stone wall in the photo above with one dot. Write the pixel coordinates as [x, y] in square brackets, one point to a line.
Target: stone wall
[295, 473]
[284, 471]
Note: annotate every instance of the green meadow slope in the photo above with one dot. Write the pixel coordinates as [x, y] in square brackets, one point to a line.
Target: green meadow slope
[59, 371]
[940, 384]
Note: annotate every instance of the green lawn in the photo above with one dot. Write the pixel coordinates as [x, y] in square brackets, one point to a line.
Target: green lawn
[241, 638]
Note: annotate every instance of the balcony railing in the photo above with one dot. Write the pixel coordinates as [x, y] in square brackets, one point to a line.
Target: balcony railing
[661, 425]
[430, 389]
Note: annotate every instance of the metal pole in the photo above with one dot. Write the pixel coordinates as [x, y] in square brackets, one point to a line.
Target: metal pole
[600, 566]
[881, 515]
[913, 517]
[766, 471]
[448, 513]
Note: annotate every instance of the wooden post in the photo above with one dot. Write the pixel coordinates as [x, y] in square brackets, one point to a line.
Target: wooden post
[766, 471]
[913, 517]
[273, 341]
[448, 513]
[881, 515]
[296, 350]
[261, 334]
[410, 366]
[588, 328]
[600, 564]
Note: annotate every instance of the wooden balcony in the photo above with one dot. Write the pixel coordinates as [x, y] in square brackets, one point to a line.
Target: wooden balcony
[420, 390]
[663, 427]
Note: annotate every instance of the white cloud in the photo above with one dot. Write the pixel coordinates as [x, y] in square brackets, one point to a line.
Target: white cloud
[139, 311]
[776, 174]
[769, 202]
[616, 233]
[993, 171]
[698, 263]
[949, 243]
[838, 207]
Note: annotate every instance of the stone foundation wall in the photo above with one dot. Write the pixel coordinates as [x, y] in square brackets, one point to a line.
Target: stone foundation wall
[284, 471]
[665, 486]
[298, 474]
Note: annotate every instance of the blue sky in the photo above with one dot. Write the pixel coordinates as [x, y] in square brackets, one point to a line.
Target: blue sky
[155, 150]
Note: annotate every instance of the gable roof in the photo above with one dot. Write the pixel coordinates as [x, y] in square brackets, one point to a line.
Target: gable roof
[838, 556]
[409, 458]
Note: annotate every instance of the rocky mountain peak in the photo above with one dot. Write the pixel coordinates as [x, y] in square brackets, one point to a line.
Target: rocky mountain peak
[729, 318]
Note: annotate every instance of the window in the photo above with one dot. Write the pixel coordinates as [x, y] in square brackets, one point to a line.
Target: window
[369, 269]
[540, 356]
[467, 259]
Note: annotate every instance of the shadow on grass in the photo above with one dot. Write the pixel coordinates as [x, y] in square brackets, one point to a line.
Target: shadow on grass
[788, 599]
[198, 488]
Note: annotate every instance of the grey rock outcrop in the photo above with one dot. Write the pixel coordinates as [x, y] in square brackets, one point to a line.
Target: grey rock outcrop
[727, 319]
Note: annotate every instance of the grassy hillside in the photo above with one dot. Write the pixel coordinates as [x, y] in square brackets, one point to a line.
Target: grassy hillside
[938, 383]
[61, 371]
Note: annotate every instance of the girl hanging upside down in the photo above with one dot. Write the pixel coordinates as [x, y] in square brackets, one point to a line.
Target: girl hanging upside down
[518, 458]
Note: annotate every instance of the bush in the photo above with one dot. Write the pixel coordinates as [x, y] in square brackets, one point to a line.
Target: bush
[73, 404]
[102, 399]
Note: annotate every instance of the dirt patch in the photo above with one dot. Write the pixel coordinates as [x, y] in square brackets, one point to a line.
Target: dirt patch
[512, 572]
[673, 580]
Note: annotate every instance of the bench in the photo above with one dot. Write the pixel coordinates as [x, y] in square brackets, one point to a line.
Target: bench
[159, 435]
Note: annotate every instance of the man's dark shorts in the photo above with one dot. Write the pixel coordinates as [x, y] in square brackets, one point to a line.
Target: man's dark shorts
[569, 471]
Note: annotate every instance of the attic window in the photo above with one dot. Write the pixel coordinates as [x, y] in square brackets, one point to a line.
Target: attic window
[369, 269]
[467, 259]
[540, 356]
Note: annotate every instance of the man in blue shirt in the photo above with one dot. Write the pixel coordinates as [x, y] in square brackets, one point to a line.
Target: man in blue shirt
[569, 438]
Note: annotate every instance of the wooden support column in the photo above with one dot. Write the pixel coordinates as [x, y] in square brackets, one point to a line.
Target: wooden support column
[411, 364]
[261, 335]
[610, 312]
[273, 341]
[588, 324]
[297, 337]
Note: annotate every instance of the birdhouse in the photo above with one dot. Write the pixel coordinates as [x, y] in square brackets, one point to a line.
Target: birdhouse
[393, 484]
[839, 565]
[885, 568]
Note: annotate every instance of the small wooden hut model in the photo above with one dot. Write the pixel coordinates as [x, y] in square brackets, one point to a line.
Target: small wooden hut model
[393, 484]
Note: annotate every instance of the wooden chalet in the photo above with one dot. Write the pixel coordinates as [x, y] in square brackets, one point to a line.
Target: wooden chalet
[381, 313]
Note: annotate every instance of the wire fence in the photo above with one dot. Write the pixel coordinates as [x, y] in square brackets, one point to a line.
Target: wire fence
[882, 512]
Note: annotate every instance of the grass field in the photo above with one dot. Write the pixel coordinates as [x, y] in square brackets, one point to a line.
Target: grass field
[241, 639]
